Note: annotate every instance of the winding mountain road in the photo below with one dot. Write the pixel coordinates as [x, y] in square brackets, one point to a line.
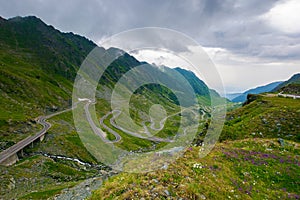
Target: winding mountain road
[13, 150]
[146, 131]
[7, 153]
[155, 139]
[117, 136]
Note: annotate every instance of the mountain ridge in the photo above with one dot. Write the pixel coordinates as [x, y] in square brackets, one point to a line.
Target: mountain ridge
[38, 64]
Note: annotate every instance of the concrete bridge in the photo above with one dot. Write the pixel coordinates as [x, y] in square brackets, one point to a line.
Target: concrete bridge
[10, 156]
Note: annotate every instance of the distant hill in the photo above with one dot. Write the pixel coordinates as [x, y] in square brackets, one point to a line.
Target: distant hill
[291, 86]
[198, 85]
[258, 90]
[202, 91]
[231, 96]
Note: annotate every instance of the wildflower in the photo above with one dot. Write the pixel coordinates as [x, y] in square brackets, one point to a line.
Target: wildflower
[246, 173]
[197, 166]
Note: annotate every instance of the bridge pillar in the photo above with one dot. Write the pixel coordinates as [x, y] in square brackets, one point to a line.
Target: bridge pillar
[10, 160]
[42, 138]
[22, 153]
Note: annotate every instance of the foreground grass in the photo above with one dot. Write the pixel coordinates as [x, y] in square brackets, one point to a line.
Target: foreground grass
[244, 169]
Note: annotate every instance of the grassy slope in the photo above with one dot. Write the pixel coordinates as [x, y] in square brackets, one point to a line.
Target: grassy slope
[246, 169]
[257, 167]
[264, 117]
[291, 88]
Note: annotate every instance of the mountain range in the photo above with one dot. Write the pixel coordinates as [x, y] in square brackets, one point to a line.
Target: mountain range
[38, 65]
[258, 90]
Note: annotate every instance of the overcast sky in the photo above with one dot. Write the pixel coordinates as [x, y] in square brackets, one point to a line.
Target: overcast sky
[251, 42]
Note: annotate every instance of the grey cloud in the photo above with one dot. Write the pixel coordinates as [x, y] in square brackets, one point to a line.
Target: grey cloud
[231, 24]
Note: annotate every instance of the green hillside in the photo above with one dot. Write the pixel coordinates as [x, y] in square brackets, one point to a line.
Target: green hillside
[37, 67]
[264, 116]
[258, 158]
[291, 86]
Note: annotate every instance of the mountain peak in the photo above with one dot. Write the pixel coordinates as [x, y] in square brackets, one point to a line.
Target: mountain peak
[295, 77]
[115, 51]
[26, 18]
[29, 23]
[2, 19]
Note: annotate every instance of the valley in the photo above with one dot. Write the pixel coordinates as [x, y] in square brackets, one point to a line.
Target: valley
[256, 156]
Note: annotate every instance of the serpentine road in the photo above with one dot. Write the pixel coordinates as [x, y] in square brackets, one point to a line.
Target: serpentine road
[97, 130]
[146, 131]
[7, 153]
[156, 139]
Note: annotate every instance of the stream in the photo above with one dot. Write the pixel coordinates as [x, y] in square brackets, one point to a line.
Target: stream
[84, 189]
[70, 159]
